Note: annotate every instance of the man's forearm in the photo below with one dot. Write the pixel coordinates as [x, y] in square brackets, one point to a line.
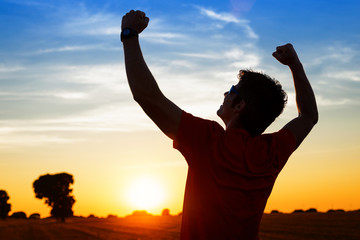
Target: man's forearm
[141, 81]
[305, 98]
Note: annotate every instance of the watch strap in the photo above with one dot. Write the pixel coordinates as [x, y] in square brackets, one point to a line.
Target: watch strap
[128, 33]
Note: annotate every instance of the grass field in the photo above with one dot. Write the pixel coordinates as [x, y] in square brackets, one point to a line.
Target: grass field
[310, 226]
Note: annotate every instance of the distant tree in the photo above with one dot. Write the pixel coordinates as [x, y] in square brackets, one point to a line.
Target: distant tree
[5, 207]
[275, 211]
[298, 211]
[34, 216]
[18, 215]
[336, 210]
[165, 212]
[311, 210]
[140, 213]
[56, 191]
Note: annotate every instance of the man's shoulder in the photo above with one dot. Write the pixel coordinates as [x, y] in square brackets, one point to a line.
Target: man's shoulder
[190, 120]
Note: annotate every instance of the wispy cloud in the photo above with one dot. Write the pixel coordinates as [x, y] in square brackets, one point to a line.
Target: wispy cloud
[33, 95]
[10, 68]
[327, 102]
[34, 140]
[68, 48]
[229, 18]
[85, 22]
[163, 37]
[30, 3]
[351, 75]
[72, 95]
[237, 57]
[336, 53]
[225, 17]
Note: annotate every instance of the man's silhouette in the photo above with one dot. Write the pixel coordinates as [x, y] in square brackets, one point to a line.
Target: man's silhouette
[231, 171]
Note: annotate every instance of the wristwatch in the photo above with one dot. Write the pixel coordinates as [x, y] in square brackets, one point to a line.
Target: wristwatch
[128, 33]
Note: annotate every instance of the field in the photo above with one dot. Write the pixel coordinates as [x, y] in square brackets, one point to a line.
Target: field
[310, 226]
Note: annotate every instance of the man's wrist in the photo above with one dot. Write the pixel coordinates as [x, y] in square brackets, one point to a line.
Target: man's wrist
[295, 65]
[128, 33]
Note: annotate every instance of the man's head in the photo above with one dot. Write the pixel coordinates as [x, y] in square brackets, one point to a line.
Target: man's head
[256, 103]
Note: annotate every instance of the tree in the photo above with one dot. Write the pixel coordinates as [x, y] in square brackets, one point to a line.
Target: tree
[34, 216]
[5, 207]
[56, 191]
[18, 215]
[165, 212]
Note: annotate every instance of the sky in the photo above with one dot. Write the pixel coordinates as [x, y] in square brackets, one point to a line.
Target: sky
[65, 105]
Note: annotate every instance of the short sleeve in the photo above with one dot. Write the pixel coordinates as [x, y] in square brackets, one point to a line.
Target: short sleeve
[194, 135]
[284, 145]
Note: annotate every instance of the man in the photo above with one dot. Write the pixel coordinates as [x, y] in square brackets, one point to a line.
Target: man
[231, 172]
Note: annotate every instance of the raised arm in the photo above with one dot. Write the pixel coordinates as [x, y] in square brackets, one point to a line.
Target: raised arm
[164, 113]
[305, 98]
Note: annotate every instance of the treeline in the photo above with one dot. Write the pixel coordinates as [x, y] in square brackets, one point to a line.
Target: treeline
[54, 188]
[139, 213]
[314, 210]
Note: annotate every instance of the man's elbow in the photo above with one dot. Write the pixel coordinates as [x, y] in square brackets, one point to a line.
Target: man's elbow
[316, 119]
[145, 101]
[311, 118]
[315, 116]
[137, 98]
[140, 97]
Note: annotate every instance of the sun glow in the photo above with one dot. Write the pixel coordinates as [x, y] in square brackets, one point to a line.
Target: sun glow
[146, 194]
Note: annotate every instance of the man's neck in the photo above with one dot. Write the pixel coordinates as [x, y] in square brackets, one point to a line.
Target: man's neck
[234, 122]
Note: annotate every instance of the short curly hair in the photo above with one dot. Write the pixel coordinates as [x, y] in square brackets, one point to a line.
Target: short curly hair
[264, 100]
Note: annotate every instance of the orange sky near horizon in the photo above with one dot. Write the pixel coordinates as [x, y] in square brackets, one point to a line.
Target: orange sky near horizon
[321, 174]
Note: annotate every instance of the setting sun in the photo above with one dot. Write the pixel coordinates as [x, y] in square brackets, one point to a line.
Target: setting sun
[145, 194]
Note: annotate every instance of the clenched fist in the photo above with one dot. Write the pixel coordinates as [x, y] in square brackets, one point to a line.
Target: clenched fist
[286, 54]
[135, 20]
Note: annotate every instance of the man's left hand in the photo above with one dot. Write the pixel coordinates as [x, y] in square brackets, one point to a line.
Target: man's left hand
[135, 20]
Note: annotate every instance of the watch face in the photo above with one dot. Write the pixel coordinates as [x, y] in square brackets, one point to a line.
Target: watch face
[126, 32]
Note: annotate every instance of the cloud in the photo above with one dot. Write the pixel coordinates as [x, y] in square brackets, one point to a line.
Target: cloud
[351, 75]
[68, 49]
[225, 17]
[327, 102]
[10, 68]
[338, 53]
[235, 56]
[72, 95]
[163, 37]
[34, 140]
[229, 18]
[79, 20]
[33, 95]
[99, 76]
[30, 3]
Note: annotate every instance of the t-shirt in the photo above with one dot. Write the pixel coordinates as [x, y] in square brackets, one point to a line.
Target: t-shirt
[230, 177]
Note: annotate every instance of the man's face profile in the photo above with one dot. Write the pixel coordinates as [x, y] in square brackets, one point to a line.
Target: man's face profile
[226, 110]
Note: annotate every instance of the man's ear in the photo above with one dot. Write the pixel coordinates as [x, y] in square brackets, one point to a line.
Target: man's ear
[240, 107]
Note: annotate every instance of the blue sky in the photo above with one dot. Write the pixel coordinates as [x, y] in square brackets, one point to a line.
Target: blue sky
[63, 60]
[62, 76]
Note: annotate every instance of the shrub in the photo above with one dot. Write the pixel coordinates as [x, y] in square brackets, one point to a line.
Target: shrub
[34, 216]
[165, 212]
[275, 211]
[311, 210]
[298, 211]
[18, 215]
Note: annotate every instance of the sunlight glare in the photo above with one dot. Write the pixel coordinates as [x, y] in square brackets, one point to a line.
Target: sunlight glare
[145, 194]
